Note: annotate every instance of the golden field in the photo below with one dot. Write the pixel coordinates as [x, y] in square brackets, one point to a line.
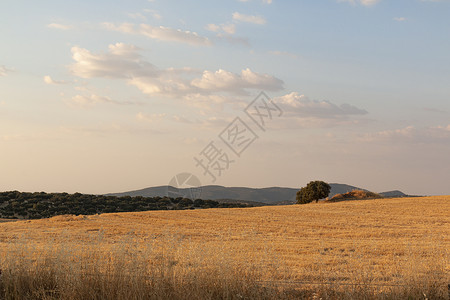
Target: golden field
[380, 249]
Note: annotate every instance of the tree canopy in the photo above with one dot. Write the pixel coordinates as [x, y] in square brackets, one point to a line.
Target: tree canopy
[313, 191]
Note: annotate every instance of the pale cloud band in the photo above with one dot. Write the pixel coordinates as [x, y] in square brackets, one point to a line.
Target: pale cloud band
[412, 134]
[160, 33]
[49, 80]
[4, 71]
[259, 20]
[59, 26]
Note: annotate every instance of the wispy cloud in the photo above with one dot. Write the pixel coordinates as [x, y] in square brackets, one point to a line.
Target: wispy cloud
[149, 117]
[399, 19]
[300, 105]
[49, 80]
[91, 100]
[411, 134]
[160, 33]
[259, 20]
[59, 26]
[227, 28]
[155, 14]
[300, 111]
[4, 71]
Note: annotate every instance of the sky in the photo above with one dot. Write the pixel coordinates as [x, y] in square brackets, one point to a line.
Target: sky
[111, 96]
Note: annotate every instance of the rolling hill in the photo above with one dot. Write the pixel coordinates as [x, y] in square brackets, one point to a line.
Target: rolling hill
[271, 195]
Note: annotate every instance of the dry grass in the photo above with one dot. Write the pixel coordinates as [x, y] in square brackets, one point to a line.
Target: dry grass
[376, 249]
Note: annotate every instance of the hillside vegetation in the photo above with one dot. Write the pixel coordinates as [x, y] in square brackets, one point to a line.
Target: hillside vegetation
[14, 205]
[378, 249]
[355, 195]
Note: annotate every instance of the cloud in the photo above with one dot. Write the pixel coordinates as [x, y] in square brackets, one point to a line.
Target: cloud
[137, 16]
[149, 118]
[4, 71]
[227, 28]
[49, 80]
[411, 134]
[225, 32]
[91, 100]
[298, 105]
[222, 80]
[362, 2]
[59, 26]
[160, 33]
[301, 112]
[210, 122]
[249, 18]
[399, 19]
[155, 14]
[124, 62]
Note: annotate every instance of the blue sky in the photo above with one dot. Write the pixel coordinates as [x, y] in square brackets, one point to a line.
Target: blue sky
[108, 96]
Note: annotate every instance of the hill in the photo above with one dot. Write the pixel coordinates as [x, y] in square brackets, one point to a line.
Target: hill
[391, 194]
[270, 195]
[354, 195]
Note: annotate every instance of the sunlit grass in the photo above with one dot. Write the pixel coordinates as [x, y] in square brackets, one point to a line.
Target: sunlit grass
[373, 249]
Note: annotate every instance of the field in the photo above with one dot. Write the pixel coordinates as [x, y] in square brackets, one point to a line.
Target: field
[372, 249]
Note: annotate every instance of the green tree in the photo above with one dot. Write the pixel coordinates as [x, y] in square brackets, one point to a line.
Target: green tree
[313, 191]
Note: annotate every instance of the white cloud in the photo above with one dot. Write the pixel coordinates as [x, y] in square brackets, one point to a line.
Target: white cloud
[91, 100]
[249, 18]
[227, 28]
[399, 19]
[298, 105]
[222, 80]
[160, 33]
[137, 16]
[212, 27]
[124, 62]
[4, 71]
[149, 117]
[155, 14]
[59, 26]
[432, 134]
[169, 34]
[49, 80]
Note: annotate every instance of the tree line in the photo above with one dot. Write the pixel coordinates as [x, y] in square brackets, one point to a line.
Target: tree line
[22, 205]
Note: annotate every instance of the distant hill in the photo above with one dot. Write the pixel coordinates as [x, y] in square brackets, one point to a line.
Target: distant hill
[354, 195]
[393, 194]
[271, 195]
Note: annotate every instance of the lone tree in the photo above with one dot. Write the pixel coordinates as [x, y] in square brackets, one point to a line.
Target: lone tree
[314, 190]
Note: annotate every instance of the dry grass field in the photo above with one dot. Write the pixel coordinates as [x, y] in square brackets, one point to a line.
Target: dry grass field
[371, 249]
